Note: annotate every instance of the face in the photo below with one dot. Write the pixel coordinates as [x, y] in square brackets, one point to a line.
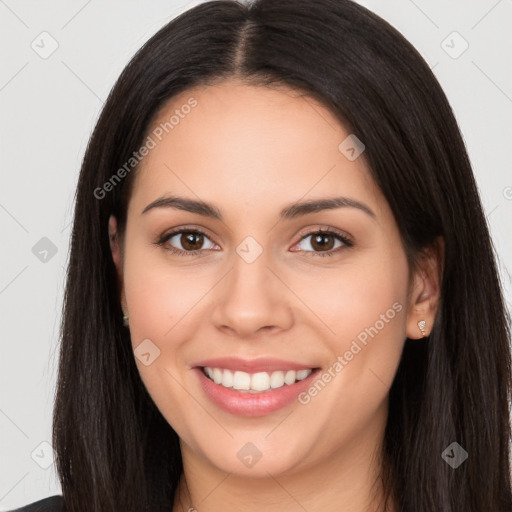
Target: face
[297, 313]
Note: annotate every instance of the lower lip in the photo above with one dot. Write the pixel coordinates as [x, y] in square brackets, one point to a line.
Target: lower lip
[253, 404]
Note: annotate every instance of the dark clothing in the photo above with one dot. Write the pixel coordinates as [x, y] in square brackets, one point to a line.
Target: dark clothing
[50, 504]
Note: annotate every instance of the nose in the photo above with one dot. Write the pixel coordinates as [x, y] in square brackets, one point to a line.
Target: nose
[251, 300]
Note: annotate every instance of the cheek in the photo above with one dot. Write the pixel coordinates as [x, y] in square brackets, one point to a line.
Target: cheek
[364, 309]
[355, 299]
[160, 302]
[159, 296]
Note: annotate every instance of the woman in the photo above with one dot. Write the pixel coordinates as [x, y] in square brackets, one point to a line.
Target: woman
[213, 357]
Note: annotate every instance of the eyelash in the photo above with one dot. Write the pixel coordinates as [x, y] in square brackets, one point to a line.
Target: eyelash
[342, 238]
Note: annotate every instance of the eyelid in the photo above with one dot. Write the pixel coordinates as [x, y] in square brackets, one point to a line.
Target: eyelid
[325, 229]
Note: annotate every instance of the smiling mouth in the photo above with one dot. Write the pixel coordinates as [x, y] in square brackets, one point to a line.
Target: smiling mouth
[258, 382]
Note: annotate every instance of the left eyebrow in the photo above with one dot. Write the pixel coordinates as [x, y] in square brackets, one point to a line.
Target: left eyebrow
[291, 211]
[306, 207]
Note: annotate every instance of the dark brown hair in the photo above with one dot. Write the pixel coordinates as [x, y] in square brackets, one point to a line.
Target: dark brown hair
[115, 451]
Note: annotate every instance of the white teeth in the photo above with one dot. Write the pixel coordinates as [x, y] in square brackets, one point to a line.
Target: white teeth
[241, 380]
[290, 377]
[227, 378]
[302, 374]
[260, 381]
[276, 380]
[256, 382]
[217, 375]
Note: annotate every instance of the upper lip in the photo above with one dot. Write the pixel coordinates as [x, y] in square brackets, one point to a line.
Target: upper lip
[265, 364]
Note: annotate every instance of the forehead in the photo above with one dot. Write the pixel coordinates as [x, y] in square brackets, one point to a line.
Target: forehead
[237, 142]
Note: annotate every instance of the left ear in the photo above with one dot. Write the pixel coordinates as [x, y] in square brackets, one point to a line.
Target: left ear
[426, 290]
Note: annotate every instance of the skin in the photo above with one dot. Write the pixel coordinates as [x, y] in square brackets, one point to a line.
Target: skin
[251, 151]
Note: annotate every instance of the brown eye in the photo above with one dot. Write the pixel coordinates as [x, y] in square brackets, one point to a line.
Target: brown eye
[191, 241]
[323, 243]
[186, 241]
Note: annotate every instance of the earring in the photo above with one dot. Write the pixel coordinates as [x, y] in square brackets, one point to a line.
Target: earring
[421, 325]
[125, 320]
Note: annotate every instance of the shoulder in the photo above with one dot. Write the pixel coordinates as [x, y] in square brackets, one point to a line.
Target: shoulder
[51, 504]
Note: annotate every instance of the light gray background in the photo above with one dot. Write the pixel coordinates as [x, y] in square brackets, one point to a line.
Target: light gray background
[49, 107]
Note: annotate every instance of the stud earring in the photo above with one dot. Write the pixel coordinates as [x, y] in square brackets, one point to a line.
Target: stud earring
[125, 320]
[421, 325]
